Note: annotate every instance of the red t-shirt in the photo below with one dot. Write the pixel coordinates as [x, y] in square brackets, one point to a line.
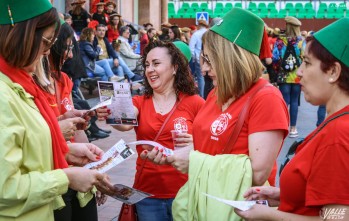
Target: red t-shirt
[163, 181]
[144, 41]
[272, 42]
[212, 127]
[112, 34]
[318, 174]
[65, 87]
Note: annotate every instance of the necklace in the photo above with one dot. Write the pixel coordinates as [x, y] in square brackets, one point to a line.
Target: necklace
[164, 107]
[227, 104]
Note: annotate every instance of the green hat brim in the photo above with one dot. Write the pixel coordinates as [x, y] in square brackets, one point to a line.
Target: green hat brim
[184, 48]
[243, 28]
[21, 10]
[335, 38]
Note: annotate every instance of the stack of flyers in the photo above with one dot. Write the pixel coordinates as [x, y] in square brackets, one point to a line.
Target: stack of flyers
[166, 151]
[114, 156]
[128, 195]
[241, 205]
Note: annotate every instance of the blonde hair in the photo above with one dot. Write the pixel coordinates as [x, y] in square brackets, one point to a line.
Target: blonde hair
[40, 75]
[186, 36]
[292, 30]
[236, 69]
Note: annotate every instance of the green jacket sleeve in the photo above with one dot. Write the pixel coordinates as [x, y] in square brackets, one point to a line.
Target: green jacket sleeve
[27, 179]
[226, 176]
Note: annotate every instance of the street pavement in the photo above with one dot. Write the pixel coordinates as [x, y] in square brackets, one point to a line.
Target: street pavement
[124, 173]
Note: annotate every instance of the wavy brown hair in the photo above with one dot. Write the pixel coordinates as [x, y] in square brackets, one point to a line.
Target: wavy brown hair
[20, 44]
[119, 25]
[86, 34]
[183, 81]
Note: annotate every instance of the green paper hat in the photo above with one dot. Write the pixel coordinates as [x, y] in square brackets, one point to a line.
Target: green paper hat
[21, 10]
[335, 38]
[184, 48]
[242, 28]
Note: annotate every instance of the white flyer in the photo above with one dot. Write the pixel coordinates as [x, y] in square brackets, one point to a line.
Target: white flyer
[166, 151]
[114, 156]
[100, 104]
[122, 110]
[241, 205]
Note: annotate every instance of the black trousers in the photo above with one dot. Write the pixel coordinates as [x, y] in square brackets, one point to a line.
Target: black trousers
[73, 212]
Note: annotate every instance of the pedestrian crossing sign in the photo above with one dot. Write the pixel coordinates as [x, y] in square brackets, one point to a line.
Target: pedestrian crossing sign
[202, 16]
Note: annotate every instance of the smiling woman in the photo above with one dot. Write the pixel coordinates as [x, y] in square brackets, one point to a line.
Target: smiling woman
[34, 169]
[169, 103]
[234, 122]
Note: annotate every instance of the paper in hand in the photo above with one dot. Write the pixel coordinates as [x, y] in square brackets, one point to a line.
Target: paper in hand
[166, 151]
[122, 111]
[114, 156]
[241, 205]
[100, 104]
[128, 195]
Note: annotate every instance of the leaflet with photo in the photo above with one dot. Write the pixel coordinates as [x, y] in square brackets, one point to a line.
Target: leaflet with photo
[114, 156]
[122, 110]
[241, 205]
[128, 195]
[146, 143]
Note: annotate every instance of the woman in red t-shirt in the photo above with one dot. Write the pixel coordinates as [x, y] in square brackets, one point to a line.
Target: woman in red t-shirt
[229, 56]
[115, 24]
[167, 82]
[57, 88]
[236, 77]
[314, 184]
[146, 38]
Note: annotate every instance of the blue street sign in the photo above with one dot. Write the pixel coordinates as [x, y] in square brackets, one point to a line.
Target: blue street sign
[202, 16]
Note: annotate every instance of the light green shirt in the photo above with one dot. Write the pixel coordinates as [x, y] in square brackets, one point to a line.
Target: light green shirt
[226, 176]
[29, 187]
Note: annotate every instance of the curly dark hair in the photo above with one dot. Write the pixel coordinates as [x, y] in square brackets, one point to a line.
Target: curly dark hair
[184, 82]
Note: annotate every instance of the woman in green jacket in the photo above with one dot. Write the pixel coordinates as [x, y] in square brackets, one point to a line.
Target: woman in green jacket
[33, 154]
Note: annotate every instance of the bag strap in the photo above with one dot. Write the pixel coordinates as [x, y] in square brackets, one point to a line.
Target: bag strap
[157, 136]
[241, 119]
[292, 151]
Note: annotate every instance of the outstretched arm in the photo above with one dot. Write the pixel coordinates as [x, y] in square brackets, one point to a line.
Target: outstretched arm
[261, 212]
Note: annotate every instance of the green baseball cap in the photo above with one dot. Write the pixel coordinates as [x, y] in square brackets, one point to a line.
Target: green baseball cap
[184, 48]
[335, 38]
[242, 28]
[14, 11]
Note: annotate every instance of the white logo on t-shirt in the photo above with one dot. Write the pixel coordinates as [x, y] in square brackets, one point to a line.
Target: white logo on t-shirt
[180, 124]
[220, 124]
[67, 105]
